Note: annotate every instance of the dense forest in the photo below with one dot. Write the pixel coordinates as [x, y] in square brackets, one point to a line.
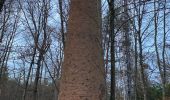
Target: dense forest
[84, 49]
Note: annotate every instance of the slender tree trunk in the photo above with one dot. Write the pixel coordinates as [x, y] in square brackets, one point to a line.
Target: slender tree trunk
[142, 69]
[112, 36]
[37, 77]
[29, 74]
[127, 46]
[83, 74]
[62, 21]
[136, 68]
[157, 51]
[163, 55]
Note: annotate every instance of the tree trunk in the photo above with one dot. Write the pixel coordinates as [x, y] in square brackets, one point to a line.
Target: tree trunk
[112, 49]
[163, 56]
[83, 75]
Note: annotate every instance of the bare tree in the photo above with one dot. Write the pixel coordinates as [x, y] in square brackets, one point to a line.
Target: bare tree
[111, 4]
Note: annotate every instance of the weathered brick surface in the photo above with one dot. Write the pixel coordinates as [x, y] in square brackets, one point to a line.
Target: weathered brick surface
[83, 75]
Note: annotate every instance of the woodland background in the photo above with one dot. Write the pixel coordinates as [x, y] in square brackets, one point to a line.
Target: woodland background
[32, 34]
